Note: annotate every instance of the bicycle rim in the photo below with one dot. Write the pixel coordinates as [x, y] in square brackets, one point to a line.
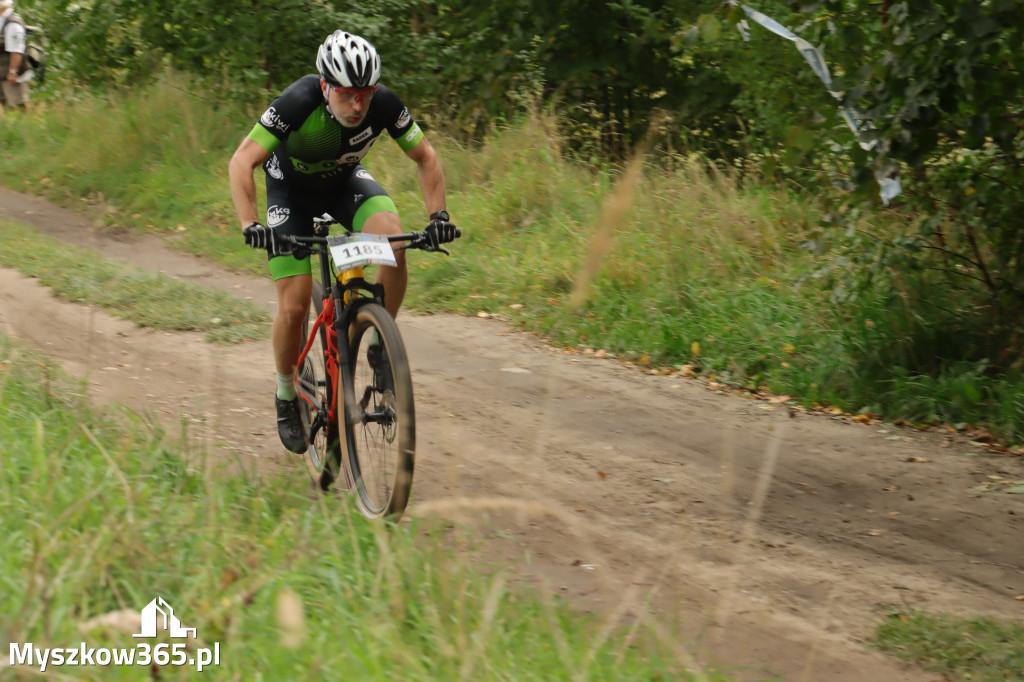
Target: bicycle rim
[323, 455]
[380, 432]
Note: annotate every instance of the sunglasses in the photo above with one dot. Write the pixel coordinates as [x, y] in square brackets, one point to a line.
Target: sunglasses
[354, 94]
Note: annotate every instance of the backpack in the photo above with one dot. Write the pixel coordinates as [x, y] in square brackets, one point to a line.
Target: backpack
[35, 49]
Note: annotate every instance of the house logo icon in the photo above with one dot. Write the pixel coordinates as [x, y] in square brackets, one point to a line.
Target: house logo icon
[151, 621]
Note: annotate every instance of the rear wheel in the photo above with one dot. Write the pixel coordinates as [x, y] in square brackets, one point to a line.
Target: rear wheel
[323, 456]
[380, 429]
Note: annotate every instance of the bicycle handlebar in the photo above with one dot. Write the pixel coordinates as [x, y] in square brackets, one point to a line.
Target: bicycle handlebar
[417, 240]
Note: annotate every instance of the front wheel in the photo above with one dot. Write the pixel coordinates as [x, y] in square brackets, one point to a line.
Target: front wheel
[380, 421]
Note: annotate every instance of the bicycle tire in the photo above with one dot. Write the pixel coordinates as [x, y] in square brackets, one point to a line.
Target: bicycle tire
[323, 454]
[380, 420]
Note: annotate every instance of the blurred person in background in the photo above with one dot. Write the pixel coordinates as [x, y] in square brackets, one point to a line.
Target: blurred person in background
[13, 90]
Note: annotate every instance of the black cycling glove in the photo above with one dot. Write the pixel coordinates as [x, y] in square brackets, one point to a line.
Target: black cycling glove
[441, 232]
[262, 237]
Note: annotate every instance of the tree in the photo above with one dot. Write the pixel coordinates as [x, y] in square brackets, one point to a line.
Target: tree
[939, 84]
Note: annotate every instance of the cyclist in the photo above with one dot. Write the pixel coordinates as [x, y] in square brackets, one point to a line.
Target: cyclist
[310, 142]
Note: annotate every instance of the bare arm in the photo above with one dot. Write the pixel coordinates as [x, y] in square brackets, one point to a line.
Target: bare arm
[431, 176]
[12, 74]
[246, 159]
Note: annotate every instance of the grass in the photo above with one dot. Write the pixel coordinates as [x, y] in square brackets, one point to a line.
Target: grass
[695, 268]
[696, 259]
[104, 512]
[672, 276]
[979, 650]
[147, 298]
[688, 266]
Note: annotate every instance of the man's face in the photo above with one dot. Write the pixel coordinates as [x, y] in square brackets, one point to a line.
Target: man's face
[348, 105]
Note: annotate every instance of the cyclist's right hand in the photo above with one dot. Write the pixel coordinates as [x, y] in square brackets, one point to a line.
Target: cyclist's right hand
[262, 237]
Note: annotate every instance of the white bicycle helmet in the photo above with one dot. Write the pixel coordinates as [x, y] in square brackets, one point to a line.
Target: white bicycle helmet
[348, 61]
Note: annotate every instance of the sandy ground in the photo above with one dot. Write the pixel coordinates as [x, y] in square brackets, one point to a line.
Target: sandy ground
[761, 538]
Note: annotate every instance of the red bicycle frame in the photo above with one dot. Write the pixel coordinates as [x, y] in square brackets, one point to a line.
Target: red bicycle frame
[325, 319]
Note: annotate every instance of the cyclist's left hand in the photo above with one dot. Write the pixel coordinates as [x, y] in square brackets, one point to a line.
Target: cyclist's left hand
[441, 232]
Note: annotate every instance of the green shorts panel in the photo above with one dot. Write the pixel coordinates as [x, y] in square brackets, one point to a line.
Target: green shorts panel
[376, 204]
[289, 266]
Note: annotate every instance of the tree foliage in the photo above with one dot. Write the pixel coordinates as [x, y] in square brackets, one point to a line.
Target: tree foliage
[612, 65]
[238, 45]
[939, 85]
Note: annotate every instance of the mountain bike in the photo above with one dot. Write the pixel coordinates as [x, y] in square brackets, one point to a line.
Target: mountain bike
[354, 381]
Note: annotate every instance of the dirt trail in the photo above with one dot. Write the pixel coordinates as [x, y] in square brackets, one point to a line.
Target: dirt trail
[769, 541]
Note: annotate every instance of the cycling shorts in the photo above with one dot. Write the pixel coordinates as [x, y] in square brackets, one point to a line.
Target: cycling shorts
[290, 210]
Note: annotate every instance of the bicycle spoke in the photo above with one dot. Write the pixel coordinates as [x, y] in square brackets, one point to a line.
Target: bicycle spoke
[380, 445]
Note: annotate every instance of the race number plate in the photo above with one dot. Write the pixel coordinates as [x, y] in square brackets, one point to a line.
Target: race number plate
[355, 249]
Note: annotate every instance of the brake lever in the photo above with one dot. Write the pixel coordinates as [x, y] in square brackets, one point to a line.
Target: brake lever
[422, 248]
[423, 245]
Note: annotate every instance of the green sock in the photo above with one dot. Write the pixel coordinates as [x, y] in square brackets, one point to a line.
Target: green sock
[286, 386]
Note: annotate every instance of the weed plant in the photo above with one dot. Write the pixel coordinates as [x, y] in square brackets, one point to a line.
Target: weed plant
[103, 513]
[696, 265]
[147, 298]
[980, 649]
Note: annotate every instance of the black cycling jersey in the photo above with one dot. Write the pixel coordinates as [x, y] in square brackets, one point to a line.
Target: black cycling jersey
[311, 150]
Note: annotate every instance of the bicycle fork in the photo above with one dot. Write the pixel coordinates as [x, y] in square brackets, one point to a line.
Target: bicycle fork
[346, 293]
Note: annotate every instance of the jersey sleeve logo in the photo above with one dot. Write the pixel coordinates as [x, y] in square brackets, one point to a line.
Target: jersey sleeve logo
[403, 119]
[272, 120]
[412, 135]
